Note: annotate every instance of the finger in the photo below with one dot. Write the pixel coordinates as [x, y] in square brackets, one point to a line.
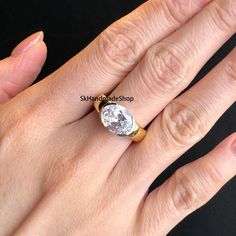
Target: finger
[18, 71]
[147, 105]
[170, 66]
[188, 189]
[105, 62]
[173, 72]
[184, 122]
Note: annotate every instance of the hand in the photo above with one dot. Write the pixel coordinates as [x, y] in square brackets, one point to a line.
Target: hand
[63, 173]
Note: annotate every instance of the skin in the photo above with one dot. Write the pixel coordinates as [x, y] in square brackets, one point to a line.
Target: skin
[63, 173]
[19, 70]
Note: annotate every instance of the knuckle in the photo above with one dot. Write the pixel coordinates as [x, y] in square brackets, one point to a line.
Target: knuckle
[119, 45]
[224, 15]
[187, 194]
[182, 125]
[177, 10]
[166, 70]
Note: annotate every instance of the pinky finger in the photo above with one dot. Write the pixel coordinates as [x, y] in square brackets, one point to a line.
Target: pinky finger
[188, 189]
[18, 71]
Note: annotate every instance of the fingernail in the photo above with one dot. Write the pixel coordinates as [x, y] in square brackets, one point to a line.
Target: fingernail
[27, 43]
[234, 147]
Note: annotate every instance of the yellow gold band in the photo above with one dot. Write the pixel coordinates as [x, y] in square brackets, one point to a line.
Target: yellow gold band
[138, 135]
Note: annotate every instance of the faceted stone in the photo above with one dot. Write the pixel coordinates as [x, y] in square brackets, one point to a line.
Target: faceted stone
[117, 120]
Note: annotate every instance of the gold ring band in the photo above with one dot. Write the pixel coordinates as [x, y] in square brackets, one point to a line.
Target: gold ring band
[118, 120]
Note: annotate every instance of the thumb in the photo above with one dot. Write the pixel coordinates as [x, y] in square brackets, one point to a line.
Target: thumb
[18, 71]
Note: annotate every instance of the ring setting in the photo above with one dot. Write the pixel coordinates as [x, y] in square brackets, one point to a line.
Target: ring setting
[118, 120]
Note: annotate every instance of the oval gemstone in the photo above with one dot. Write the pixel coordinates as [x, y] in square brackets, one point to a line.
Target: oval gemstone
[117, 119]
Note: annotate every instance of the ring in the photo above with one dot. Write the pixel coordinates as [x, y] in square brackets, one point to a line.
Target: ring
[118, 120]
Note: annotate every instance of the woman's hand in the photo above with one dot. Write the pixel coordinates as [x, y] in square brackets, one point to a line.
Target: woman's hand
[63, 173]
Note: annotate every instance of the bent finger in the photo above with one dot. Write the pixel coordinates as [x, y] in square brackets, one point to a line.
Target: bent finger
[188, 189]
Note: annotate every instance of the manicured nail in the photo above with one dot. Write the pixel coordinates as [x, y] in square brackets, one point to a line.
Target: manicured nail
[27, 43]
[234, 147]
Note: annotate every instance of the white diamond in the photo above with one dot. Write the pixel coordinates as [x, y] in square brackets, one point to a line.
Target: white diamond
[117, 120]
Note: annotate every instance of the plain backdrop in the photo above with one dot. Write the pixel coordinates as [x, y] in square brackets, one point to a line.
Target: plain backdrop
[69, 26]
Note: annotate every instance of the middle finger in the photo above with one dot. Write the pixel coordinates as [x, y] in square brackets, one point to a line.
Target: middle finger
[169, 66]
